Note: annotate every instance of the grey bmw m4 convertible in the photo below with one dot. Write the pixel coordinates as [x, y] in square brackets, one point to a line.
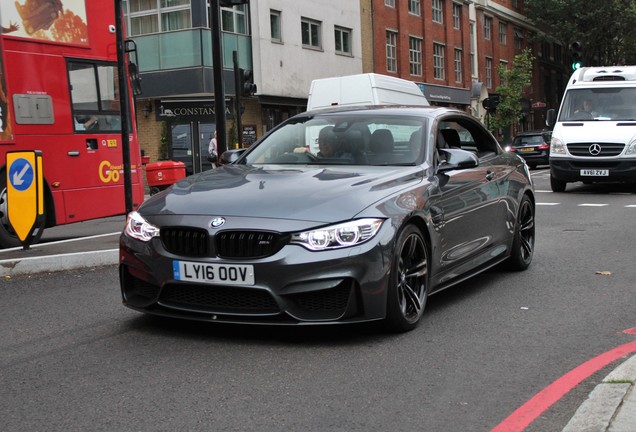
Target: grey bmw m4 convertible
[336, 216]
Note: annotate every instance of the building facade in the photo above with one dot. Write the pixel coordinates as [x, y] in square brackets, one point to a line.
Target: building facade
[451, 48]
[285, 43]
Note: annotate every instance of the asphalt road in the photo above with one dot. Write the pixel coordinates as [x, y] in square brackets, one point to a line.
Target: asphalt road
[72, 358]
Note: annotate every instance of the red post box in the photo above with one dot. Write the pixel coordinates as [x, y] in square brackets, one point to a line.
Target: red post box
[160, 175]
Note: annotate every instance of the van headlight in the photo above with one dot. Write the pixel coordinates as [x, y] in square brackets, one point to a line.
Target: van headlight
[338, 236]
[631, 147]
[557, 146]
[139, 228]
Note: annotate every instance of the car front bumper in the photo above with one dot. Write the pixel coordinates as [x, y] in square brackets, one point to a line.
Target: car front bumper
[569, 170]
[294, 286]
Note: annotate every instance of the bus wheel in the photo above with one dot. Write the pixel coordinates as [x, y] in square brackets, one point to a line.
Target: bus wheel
[8, 236]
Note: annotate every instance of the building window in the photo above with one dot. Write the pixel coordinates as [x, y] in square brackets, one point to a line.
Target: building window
[518, 38]
[558, 55]
[311, 33]
[390, 3]
[391, 51]
[473, 58]
[414, 7]
[488, 72]
[458, 66]
[502, 33]
[234, 19]
[503, 65]
[415, 56]
[147, 17]
[274, 25]
[457, 16]
[343, 40]
[545, 50]
[438, 61]
[438, 12]
[487, 28]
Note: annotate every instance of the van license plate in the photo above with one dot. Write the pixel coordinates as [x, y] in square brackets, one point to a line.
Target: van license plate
[226, 274]
[594, 173]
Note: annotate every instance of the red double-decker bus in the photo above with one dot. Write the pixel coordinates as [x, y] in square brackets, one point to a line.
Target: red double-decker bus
[59, 93]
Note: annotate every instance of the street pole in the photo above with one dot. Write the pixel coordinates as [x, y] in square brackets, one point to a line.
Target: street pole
[124, 106]
[217, 68]
[237, 99]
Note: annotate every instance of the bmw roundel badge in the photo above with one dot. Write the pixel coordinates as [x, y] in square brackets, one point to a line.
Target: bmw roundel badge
[217, 222]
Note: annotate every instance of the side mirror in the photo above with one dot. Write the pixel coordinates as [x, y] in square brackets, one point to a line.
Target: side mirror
[550, 118]
[231, 156]
[452, 159]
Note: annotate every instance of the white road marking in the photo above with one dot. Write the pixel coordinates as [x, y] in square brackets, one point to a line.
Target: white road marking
[592, 205]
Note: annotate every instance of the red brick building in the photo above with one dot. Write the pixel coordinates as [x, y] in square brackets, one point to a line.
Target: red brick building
[454, 48]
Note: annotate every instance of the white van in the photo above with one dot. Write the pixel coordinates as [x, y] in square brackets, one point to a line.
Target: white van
[363, 89]
[594, 135]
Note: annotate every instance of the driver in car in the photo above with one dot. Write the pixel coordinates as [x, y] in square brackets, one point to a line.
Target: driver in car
[328, 145]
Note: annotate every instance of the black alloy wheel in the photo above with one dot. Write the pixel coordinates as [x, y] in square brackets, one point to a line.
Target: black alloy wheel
[408, 289]
[523, 243]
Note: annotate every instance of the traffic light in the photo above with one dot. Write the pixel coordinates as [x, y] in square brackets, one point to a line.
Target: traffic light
[576, 54]
[248, 88]
[490, 103]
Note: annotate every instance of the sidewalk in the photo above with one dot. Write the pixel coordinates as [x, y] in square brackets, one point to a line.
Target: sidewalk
[611, 406]
[84, 244]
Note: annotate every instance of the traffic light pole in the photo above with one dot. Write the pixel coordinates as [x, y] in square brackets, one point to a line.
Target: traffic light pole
[125, 106]
[217, 68]
[237, 99]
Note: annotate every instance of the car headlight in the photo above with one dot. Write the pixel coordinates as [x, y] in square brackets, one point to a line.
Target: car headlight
[557, 146]
[139, 228]
[338, 236]
[631, 147]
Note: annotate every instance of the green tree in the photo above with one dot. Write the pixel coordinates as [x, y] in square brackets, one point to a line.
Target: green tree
[606, 29]
[513, 82]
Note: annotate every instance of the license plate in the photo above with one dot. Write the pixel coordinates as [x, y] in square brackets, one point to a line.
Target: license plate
[526, 149]
[225, 274]
[594, 173]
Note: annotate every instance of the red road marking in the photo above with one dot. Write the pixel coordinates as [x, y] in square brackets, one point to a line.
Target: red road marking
[528, 412]
[630, 331]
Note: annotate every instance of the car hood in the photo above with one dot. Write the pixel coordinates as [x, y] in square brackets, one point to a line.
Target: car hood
[321, 194]
[598, 131]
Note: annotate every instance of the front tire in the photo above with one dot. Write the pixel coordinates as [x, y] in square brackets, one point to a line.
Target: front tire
[556, 184]
[409, 281]
[523, 243]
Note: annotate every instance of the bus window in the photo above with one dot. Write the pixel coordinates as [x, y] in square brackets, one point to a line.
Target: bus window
[95, 97]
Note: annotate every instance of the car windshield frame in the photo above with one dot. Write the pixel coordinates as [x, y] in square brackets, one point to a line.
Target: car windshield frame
[355, 138]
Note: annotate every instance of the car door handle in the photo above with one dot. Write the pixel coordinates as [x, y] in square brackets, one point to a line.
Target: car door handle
[74, 153]
[490, 175]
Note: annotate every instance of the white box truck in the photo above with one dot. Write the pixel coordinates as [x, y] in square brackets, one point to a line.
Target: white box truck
[594, 135]
[363, 89]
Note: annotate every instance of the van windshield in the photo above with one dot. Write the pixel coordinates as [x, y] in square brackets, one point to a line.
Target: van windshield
[599, 104]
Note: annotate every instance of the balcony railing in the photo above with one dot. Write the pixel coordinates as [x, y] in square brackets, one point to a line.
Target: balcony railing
[190, 48]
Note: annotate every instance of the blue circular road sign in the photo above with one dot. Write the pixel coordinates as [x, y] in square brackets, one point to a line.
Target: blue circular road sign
[21, 174]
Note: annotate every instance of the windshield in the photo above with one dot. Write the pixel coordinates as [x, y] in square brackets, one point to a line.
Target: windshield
[342, 140]
[599, 104]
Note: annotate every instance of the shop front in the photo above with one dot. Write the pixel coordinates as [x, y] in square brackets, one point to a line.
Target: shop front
[446, 96]
[190, 127]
